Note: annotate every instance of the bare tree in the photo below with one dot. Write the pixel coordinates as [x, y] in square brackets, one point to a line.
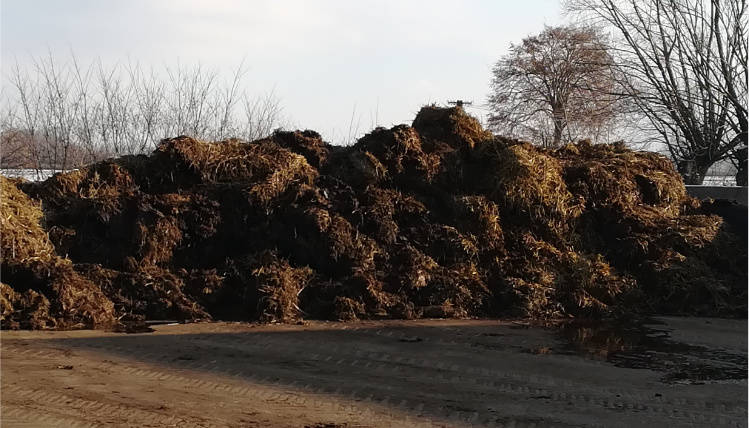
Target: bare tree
[684, 64]
[555, 87]
[22, 150]
[16, 148]
[65, 114]
[261, 116]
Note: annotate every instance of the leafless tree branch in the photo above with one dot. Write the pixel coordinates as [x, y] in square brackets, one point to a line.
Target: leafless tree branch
[684, 65]
[59, 115]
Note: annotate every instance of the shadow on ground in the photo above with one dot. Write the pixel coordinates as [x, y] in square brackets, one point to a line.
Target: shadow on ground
[454, 370]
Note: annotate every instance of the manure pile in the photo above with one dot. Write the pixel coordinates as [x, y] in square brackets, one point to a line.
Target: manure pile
[437, 219]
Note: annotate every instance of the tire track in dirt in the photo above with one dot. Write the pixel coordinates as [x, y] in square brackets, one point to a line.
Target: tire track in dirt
[518, 384]
[436, 372]
[41, 406]
[20, 417]
[395, 363]
[38, 402]
[421, 414]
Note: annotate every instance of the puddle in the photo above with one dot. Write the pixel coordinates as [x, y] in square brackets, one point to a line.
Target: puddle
[647, 347]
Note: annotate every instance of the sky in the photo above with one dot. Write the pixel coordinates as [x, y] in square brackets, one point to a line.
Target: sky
[327, 61]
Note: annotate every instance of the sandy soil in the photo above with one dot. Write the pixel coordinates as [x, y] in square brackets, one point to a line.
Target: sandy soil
[682, 372]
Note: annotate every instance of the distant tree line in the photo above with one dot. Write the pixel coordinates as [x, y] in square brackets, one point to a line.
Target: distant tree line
[61, 115]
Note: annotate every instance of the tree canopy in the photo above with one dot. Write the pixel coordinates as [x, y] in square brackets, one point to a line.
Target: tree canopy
[555, 87]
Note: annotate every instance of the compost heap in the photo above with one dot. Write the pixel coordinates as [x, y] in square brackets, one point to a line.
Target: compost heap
[437, 219]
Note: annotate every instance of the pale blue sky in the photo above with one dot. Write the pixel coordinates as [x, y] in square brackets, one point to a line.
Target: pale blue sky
[320, 57]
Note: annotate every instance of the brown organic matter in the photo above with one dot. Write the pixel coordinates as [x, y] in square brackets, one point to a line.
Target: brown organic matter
[437, 219]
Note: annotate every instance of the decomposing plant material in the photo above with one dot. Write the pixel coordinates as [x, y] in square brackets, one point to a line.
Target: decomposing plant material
[437, 219]
[41, 289]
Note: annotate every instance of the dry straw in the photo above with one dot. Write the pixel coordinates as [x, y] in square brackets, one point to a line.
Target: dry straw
[437, 219]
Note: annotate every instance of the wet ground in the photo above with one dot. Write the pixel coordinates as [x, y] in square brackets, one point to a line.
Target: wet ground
[668, 372]
[647, 344]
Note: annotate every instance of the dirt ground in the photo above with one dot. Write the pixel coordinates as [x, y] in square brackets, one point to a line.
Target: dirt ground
[673, 372]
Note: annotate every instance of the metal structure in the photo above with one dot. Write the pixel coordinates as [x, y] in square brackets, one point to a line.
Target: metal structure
[460, 103]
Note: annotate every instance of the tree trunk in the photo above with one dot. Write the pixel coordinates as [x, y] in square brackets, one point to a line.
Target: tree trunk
[693, 171]
[741, 165]
[557, 136]
[558, 116]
